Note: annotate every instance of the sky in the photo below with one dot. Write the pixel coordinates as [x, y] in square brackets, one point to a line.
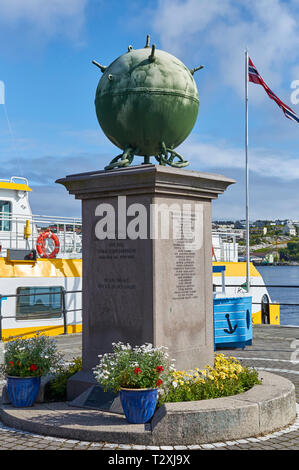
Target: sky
[48, 125]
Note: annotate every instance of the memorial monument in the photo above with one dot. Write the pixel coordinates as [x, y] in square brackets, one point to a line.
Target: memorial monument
[147, 240]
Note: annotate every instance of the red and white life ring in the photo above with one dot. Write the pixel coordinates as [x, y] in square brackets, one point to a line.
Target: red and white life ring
[41, 246]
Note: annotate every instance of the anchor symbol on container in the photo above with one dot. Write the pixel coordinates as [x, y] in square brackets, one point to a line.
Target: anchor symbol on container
[231, 329]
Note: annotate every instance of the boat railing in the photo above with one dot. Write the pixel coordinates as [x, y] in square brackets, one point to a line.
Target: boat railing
[266, 302]
[225, 245]
[22, 231]
[64, 311]
[13, 178]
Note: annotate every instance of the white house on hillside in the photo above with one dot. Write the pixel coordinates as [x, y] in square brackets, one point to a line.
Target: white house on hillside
[289, 229]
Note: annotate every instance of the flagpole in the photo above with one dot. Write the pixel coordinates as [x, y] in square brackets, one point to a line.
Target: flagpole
[247, 175]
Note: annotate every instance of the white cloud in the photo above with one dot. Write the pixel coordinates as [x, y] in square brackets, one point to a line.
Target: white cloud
[223, 29]
[221, 155]
[177, 20]
[273, 179]
[46, 17]
[48, 197]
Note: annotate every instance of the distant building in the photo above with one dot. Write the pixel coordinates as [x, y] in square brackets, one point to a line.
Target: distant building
[223, 224]
[280, 222]
[240, 224]
[261, 223]
[289, 229]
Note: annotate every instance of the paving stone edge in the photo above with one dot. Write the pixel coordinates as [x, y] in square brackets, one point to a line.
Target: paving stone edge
[262, 410]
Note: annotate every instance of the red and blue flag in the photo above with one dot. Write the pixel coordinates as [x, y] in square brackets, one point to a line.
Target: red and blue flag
[255, 77]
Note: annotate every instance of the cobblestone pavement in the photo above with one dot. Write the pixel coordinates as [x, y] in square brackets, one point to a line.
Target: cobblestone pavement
[257, 356]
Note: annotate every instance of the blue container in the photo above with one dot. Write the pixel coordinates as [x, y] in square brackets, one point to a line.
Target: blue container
[22, 391]
[232, 322]
[138, 404]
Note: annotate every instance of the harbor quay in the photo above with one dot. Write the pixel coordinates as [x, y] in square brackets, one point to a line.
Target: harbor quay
[274, 351]
[148, 287]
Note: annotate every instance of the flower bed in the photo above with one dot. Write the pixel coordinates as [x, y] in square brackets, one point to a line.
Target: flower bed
[228, 377]
[148, 367]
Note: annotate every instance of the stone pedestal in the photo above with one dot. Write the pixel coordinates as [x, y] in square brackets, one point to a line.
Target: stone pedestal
[151, 279]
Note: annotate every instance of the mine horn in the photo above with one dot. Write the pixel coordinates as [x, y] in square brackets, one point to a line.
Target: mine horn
[148, 39]
[102, 67]
[192, 71]
[152, 56]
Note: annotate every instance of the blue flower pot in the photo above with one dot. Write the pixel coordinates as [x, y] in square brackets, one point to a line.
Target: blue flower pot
[138, 404]
[22, 391]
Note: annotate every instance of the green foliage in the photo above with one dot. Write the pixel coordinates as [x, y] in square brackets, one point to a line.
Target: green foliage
[255, 240]
[291, 253]
[138, 367]
[56, 389]
[27, 357]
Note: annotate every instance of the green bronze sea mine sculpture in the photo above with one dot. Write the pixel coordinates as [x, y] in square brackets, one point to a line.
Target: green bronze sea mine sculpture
[147, 104]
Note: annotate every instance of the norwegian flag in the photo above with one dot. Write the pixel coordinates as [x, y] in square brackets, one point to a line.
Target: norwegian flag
[255, 77]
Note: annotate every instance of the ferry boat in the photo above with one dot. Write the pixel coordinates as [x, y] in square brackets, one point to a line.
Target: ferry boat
[41, 269]
[225, 253]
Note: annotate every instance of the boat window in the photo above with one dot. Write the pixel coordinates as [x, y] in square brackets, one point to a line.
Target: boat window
[39, 302]
[5, 212]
